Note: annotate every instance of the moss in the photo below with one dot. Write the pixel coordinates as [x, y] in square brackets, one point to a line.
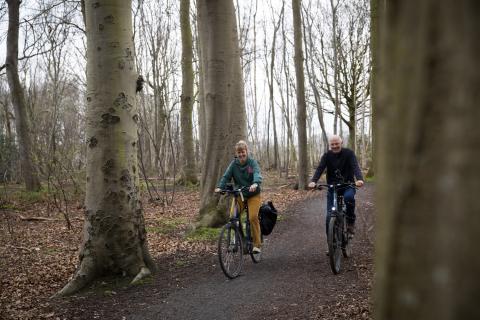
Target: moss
[166, 226]
[204, 234]
[181, 263]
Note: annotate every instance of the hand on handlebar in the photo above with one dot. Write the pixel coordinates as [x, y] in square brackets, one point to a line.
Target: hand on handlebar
[217, 190]
[312, 185]
[359, 183]
[253, 187]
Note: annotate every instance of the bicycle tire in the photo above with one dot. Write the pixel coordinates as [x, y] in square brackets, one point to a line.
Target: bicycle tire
[230, 251]
[334, 240]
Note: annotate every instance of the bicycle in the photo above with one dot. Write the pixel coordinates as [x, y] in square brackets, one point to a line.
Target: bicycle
[231, 246]
[338, 238]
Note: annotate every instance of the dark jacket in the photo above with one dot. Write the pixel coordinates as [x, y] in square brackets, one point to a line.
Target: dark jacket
[243, 175]
[344, 163]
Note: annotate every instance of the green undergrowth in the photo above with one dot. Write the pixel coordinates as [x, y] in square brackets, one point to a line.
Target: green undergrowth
[4, 205]
[166, 226]
[30, 197]
[203, 234]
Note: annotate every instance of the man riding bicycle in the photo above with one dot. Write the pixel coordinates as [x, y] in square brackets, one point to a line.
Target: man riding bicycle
[342, 166]
[245, 171]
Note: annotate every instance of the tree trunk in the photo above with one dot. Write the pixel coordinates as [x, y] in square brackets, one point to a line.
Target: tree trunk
[29, 172]
[114, 232]
[337, 115]
[189, 170]
[428, 170]
[270, 90]
[301, 104]
[225, 116]
[375, 11]
[312, 77]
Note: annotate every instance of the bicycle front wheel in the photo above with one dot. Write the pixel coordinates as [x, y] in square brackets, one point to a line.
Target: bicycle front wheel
[230, 251]
[335, 244]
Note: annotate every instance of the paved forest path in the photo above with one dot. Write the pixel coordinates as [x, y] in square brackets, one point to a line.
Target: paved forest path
[293, 281]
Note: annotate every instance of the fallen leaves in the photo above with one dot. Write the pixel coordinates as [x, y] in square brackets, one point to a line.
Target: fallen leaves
[39, 254]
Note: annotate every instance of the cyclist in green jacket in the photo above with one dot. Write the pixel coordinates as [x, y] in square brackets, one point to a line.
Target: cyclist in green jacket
[245, 172]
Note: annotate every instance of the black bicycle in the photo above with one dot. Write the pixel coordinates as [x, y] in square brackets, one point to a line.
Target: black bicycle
[338, 238]
[233, 242]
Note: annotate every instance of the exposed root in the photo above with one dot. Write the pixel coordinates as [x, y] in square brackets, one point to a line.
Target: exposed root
[144, 272]
[84, 275]
[148, 258]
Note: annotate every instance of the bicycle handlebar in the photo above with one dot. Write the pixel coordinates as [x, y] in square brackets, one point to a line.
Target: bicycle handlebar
[233, 191]
[319, 186]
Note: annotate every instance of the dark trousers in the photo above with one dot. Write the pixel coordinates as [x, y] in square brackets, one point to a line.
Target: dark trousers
[348, 197]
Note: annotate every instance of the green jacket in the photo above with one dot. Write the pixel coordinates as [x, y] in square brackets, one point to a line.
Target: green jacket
[243, 176]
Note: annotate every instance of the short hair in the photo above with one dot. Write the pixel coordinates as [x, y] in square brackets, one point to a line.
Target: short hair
[241, 145]
[334, 137]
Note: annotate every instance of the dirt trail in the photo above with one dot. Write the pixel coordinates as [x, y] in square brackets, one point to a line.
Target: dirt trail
[293, 281]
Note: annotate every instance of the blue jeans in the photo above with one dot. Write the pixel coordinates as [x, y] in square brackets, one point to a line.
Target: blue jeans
[348, 197]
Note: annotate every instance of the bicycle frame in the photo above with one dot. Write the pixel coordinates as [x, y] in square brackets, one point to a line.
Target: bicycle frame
[235, 216]
[337, 236]
[338, 209]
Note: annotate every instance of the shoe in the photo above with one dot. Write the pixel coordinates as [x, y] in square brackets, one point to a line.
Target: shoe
[256, 250]
[351, 228]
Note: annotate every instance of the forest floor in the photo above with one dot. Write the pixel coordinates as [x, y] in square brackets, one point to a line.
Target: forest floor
[293, 280]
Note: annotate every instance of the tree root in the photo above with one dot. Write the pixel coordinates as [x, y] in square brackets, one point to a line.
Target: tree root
[84, 275]
[144, 272]
[147, 258]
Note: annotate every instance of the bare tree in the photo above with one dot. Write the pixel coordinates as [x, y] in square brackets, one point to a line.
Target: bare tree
[29, 171]
[189, 170]
[222, 85]
[302, 168]
[115, 237]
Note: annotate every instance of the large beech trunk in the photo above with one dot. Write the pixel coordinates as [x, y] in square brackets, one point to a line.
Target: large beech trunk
[222, 91]
[428, 167]
[114, 232]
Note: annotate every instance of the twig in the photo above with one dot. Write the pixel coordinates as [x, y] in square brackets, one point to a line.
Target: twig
[37, 218]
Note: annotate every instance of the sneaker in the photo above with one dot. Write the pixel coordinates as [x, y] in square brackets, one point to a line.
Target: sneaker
[256, 250]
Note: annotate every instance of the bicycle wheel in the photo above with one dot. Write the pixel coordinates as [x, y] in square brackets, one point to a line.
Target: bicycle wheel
[230, 251]
[334, 244]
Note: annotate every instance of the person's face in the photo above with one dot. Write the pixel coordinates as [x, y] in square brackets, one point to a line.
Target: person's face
[242, 155]
[335, 145]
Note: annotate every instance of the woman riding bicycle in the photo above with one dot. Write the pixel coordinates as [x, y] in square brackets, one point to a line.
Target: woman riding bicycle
[245, 171]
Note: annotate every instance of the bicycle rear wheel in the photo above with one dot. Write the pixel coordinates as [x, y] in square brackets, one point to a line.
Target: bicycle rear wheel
[230, 251]
[334, 240]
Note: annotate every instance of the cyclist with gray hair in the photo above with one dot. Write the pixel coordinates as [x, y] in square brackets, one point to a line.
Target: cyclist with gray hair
[342, 167]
